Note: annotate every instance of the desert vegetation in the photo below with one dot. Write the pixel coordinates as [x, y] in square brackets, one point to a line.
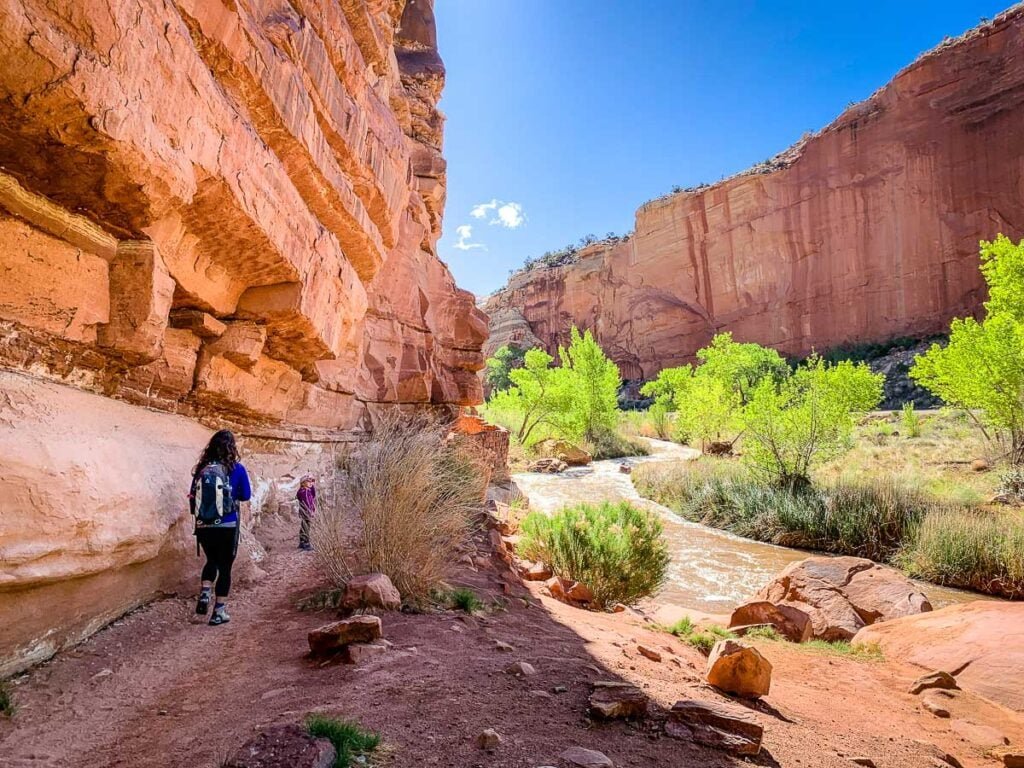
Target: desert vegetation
[576, 400]
[351, 742]
[616, 550]
[817, 471]
[415, 492]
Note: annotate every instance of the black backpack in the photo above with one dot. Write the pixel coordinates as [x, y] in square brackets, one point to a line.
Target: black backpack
[211, 496]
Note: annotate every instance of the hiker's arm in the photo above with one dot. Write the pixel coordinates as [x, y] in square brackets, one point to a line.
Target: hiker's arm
[240, 488]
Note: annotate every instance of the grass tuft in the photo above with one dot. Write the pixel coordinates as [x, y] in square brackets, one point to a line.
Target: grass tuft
[348, 738]
[465, 600]
[701, 638]
[763, 633]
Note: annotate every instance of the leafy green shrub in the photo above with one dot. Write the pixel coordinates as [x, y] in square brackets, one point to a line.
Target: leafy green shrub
[973, 549]
[681, 628]
[911, 420]
[617, 550]
[348, 738]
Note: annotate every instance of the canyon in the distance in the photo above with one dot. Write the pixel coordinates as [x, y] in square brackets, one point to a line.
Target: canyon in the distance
[864, 231]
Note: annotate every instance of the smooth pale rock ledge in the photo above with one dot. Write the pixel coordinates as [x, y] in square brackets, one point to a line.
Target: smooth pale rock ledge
[981, 643]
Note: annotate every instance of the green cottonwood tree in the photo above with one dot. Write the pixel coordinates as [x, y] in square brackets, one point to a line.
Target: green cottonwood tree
[982, 367]
[806, 418]
[594, 380]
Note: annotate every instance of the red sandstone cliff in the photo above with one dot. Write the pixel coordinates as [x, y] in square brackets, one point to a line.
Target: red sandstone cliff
[222, 210]
[866, 231]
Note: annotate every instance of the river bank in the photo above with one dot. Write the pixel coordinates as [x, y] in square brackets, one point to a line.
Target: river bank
[712, 571]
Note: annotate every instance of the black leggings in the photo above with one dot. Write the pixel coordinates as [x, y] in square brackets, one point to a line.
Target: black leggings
[219, 545]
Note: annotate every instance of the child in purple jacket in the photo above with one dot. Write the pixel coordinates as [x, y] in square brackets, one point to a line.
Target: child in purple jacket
[307, 508]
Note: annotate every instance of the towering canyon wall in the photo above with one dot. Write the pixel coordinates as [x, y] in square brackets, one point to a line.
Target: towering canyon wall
[866, 231]
[212, 213]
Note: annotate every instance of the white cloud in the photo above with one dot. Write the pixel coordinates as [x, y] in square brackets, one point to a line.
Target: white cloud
[465, 233]
[508, 215]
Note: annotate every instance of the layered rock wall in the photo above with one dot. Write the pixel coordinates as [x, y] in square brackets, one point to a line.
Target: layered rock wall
[865, 231]
[224, 210]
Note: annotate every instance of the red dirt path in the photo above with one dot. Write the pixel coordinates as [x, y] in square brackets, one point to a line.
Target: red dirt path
[159, 689]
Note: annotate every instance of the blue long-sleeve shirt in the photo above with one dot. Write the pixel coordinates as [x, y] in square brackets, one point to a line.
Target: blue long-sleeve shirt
[240, 491]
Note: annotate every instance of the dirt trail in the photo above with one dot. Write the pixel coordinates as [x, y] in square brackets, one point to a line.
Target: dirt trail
[159, 689]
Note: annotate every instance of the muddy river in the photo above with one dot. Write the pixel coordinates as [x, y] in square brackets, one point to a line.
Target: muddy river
[712, 571]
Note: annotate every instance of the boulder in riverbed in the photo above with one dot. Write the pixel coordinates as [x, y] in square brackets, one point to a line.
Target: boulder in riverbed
[791, 622]
[564, 451]
[841, 595]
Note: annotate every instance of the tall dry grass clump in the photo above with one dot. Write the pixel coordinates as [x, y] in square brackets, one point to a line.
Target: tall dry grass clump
[416, 493]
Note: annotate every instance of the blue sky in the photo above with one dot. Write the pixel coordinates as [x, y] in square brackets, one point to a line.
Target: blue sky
[564, 116]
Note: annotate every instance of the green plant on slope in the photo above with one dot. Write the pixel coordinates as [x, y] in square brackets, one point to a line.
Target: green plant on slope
[910, 420]
[349, 740]
[540, 395]
[465, 600]
[617, 550]
[982, 367]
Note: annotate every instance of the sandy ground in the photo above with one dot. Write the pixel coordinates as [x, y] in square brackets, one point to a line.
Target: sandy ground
[160, 689]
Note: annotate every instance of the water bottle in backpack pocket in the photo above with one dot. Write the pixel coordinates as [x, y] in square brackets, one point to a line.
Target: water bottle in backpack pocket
[211, 496]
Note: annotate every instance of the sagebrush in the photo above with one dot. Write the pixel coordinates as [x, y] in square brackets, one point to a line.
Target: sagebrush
[617, 550]
[416, 493]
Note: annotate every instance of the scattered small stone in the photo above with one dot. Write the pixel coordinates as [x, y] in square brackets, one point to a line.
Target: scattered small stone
[867, 762]
[1013, 759]
[617, 701]
[979, 465]
[540, 694]
[736, 667]
[489, 739]
[933, 704]
[501, 645]
[520, 669]
[586, 758]
[371, 590]
[537, 572]
[648, 652]
[939, 756]
[335, 636]
[103, 673]
[559, 689]
[721, 726]
[625, 469]
[618, 608]
[938, 679]
[162, 712]
[283, 745]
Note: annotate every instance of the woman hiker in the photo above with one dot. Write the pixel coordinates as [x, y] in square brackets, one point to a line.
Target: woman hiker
[307, 508]
[219, 483]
